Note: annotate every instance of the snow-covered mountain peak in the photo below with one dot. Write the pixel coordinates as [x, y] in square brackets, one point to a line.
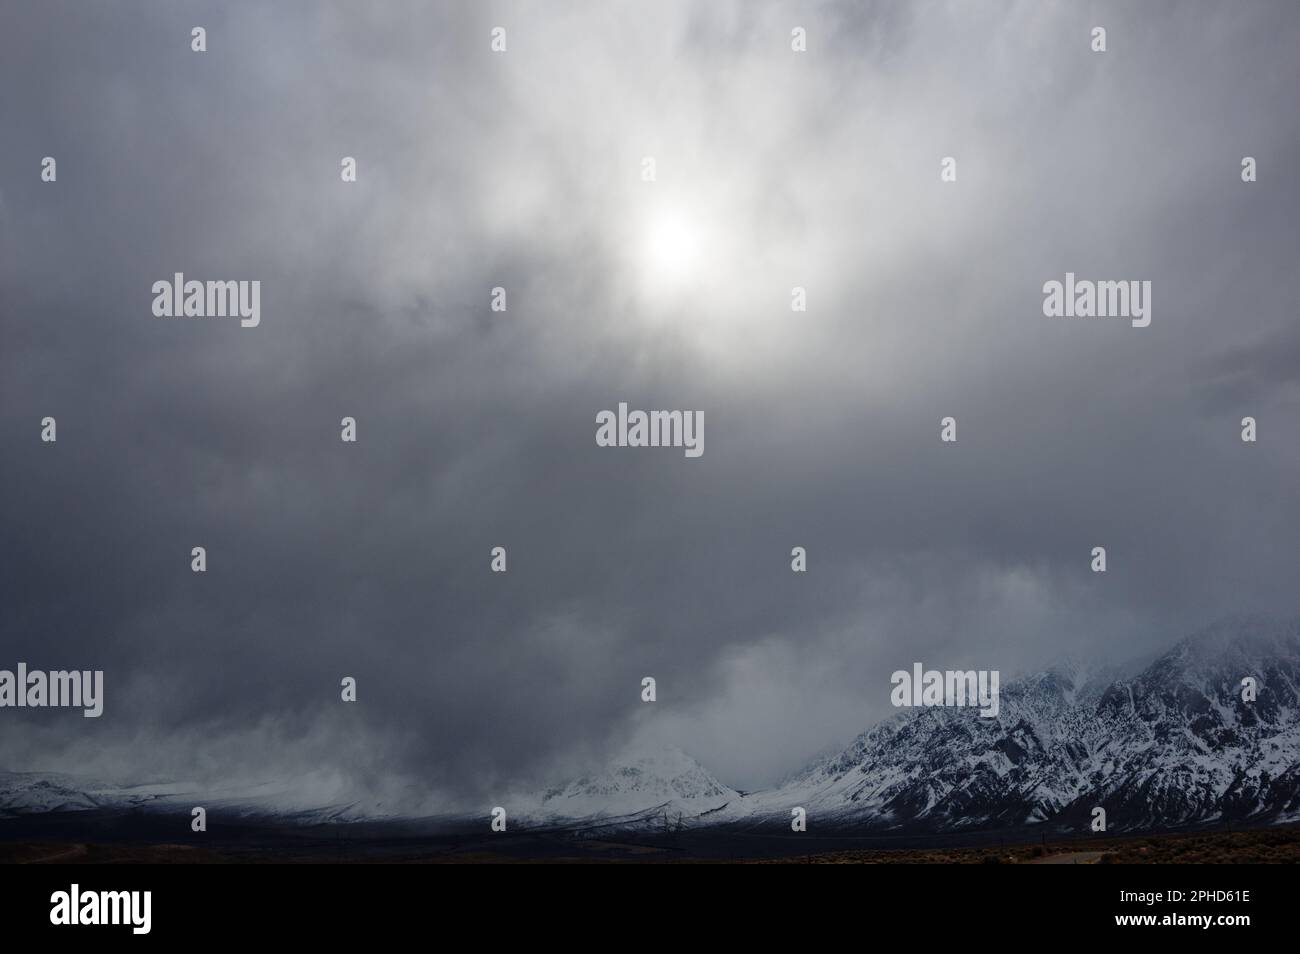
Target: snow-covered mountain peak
[663, 780]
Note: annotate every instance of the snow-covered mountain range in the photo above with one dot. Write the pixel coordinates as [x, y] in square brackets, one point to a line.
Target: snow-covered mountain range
[1167, 743]
[1172, 743]
[39, 793]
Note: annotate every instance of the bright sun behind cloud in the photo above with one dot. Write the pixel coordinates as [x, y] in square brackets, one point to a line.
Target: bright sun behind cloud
[674, 247]
[699, 267]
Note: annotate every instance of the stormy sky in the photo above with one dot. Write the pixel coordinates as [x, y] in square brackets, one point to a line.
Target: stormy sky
[476, 428]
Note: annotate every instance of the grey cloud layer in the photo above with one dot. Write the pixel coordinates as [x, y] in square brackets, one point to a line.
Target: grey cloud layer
[476, 429]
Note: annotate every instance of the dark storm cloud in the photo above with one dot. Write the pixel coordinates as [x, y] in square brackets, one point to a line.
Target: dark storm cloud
[476, 428]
